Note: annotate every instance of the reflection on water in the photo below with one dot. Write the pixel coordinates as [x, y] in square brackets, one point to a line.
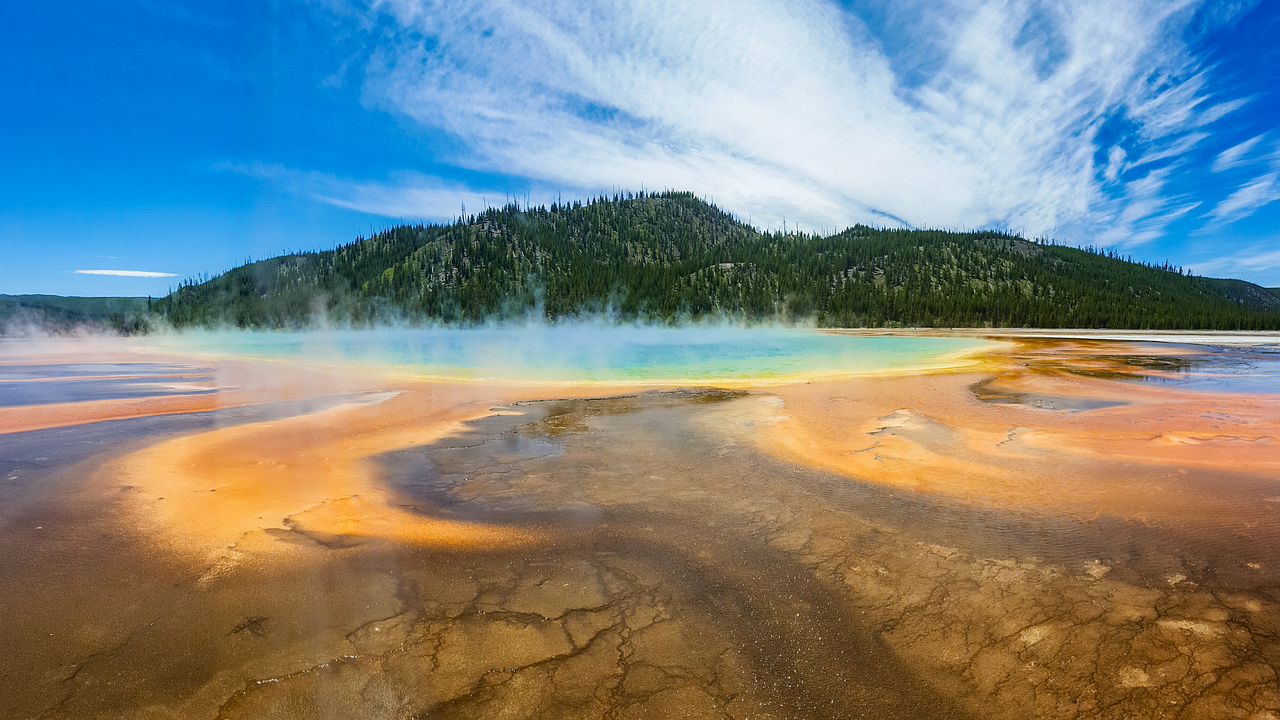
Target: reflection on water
[1213, 369]
[1024, 542]
[1255, 370]
[31, 384]
[18, 372]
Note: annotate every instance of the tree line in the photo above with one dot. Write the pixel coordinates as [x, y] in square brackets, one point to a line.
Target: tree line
[671, 256]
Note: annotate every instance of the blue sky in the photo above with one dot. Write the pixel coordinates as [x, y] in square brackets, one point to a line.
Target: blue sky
[182, 138]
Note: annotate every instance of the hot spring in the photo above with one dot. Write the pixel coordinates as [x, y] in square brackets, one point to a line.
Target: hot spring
[577, 522]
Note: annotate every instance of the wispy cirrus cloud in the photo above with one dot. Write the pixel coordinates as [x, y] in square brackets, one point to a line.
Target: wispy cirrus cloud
[126, 273]
[1248, 198]
[1067, 120]
[407, 195]
[1236, 155]
[1258, 258]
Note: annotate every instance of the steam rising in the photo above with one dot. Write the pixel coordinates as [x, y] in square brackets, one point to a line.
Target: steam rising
[585, 351]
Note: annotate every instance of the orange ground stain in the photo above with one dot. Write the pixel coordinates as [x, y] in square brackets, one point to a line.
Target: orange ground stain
[1162, 455]
[1157, 454]
[24, 418]
[225, 488]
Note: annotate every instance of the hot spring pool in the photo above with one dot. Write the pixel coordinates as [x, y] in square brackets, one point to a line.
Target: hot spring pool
[592, 353]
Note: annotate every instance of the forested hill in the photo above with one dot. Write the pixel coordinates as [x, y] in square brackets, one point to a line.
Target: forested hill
[21, 314]
[671, 256]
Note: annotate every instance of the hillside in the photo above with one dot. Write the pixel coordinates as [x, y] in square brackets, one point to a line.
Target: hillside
[1246, 293]
[57, 313]
[672, 256]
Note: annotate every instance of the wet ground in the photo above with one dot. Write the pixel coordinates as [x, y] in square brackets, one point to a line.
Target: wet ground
[474, 552]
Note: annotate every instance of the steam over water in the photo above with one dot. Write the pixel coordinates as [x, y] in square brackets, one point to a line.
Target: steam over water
[583, 352]
[689, 524]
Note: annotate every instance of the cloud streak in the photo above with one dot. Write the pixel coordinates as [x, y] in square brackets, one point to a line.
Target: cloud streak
[1235, 156]
[1249, 198]
[798, 109]
[406, 195]
[1255, 259]
[127, 273]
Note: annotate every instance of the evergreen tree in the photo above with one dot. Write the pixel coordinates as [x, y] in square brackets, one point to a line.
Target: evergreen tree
[670, 257]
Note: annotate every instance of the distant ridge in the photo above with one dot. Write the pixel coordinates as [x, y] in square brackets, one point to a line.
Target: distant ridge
[671, 257]
[61, 313]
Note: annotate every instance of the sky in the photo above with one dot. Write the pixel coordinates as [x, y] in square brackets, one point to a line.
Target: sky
[145, 141]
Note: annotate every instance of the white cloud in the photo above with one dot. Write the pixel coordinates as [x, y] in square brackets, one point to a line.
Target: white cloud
[1256, 259]
[1215, 113]
[1249, 198]
[1234, 156]
[792, 108]
[406, 195]
[126, 273]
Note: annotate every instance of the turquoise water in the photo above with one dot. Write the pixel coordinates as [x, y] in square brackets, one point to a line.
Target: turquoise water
[591, 352]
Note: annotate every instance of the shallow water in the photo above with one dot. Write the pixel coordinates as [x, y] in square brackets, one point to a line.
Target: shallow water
[940, 545]
[1236, 370]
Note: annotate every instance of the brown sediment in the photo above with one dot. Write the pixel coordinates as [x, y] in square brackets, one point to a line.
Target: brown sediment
[1077, 442]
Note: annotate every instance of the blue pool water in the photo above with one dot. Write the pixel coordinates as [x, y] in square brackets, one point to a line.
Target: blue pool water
[593, 353]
